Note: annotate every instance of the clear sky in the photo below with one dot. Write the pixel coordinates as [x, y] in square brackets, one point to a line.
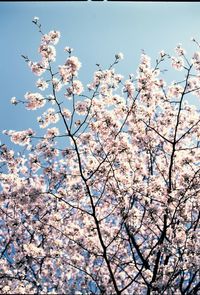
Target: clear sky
[96, 31]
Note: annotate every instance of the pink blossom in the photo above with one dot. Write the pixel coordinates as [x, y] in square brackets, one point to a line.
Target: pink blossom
[196, 60]
[48, 52]
[76, 88]
[38, 68]
[48, 117]
[179, 50]
[73, 65]
[42, 84]
[175, 90]
[66, 113]
[177, 63]
[81, 107]
[51, 38]
[34, 101]
[57, 84]
[52, 132]
[21, 137]
[129, 88]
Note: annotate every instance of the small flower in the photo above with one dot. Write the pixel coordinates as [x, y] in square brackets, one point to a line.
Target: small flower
[162, 53]
[51, 98]
[177, 63]
[78, 123]
[14, 101]
[38, 68]
[81, 107]
[42, 84]
[56, 84]
[119, 56]
[6, 289]
[131, 76]
[175, 90]
[179, 50]
[66, 113]
[36, 19]
[52, 132]
[68, 49]
[129, 88]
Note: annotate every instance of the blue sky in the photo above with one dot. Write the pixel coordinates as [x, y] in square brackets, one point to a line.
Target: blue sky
[96, 31]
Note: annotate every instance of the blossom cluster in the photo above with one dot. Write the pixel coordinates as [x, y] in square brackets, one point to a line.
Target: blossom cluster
[48, 117]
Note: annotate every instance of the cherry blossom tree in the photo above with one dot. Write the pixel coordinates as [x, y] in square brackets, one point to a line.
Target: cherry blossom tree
[106, 199]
